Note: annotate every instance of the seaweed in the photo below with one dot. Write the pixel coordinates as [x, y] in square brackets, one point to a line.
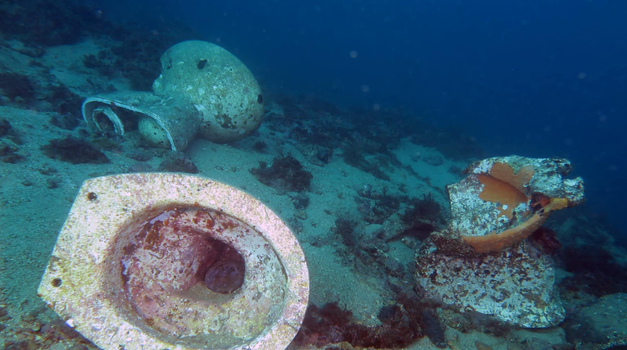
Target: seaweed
[425, 208]
[345, 228]
[285, 174]
[384, 204]
[260, 146]
[65, 101]
[8, 154]
[354, 155]
[178, 162]
[546, 240]
[422, 217]
[595, 271]
[402, 324]
[5, 127]
[64, 121]
[75, 151]
[17, 86]
[50, 23]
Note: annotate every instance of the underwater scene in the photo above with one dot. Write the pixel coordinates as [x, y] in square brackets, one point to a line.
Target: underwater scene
[268, 175]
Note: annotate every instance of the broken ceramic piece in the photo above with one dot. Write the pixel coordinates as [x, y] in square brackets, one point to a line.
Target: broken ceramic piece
[481, 261]
[505, 199]
[162, 121]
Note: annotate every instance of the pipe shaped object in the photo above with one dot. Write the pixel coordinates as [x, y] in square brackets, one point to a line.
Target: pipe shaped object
[202, 90]
[171, 261]
[163, 121]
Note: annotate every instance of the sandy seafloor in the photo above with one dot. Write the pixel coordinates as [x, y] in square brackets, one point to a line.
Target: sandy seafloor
[37, 193]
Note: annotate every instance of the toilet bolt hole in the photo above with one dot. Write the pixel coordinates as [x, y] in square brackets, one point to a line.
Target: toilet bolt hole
[56, 282]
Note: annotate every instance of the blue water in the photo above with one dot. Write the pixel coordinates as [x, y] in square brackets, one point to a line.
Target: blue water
[534, 78]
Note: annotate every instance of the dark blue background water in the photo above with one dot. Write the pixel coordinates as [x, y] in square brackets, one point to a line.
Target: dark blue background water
[534, 78]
